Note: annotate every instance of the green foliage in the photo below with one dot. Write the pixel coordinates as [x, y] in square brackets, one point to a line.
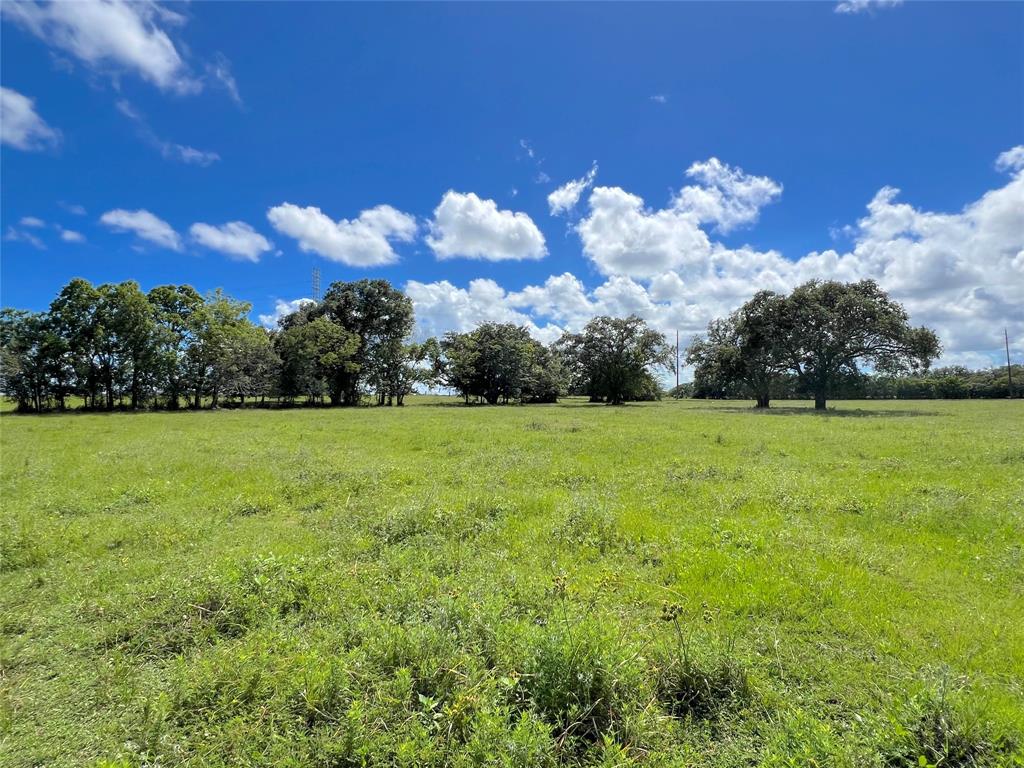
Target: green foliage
[821, 336]
[612, 359]
[501, 362]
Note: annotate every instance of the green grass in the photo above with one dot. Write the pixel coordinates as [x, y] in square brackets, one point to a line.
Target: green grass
[678, 583]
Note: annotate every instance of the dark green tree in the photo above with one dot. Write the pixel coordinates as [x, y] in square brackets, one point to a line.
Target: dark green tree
[744, 348]
[612, 359]
[833, 329]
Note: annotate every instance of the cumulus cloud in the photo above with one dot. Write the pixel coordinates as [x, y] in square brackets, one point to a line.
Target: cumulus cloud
[621, 235]
[467, 226]
[361, 242]
[1011, 159]
[564, 199]
[961, 273]
[860, 6]
[726, 196]
[32, 221]
[144, 225]
[236, 239]
[282, 308]
[442, 307]
[21, 126]
[111, 36]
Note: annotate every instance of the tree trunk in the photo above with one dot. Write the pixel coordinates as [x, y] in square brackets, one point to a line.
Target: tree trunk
[819, 401]
[762, 401]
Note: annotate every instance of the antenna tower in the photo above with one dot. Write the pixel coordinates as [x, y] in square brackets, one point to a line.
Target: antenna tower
[316, 284]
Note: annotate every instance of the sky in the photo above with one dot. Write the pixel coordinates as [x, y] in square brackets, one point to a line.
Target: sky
[528, 163]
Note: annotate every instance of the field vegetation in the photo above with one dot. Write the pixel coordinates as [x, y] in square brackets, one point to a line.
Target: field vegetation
[684, 583]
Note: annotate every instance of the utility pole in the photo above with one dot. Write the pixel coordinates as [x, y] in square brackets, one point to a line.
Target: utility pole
[677, 357]
[316, 284]
[1009, 368]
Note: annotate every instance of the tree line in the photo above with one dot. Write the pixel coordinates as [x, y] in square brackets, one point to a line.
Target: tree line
[114, 346]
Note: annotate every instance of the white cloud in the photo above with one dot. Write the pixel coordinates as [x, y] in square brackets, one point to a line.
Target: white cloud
[361, 242]
[236, 238]
[188, 155]
[144, 225]
[726, 196]
[24, 236]
[621, 236]
[70, 235]
[32, 221]
[1011, 159]
[564, 199]
[860, 6]
[169, 149]
[467, 226]
[659, 98]
[21, 126]
[441, 307]
[111, 36]
[77, 210]
[961, 273]
[525, 145]
[282, 308]
[220, 70]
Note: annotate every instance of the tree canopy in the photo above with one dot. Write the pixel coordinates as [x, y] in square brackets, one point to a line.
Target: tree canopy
[822, 333]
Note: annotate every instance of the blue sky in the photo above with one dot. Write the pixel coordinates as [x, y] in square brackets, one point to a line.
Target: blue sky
[733, 147]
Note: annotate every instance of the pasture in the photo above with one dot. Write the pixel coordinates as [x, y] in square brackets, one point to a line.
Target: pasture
[679, 583]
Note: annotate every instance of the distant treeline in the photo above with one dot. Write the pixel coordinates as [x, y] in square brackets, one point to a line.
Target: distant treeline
[113, 346]
[949, 383]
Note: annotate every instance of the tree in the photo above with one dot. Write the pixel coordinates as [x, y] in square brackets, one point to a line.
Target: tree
[833, 328]
[28, 351]
[316, 357]
[500, 362]
[611, 360]
[381, 317]
[128, 333]
[174, 307]
[211, 329]
[744, 348]
[74, 318]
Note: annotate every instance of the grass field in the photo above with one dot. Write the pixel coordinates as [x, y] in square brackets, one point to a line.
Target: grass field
[679, 583]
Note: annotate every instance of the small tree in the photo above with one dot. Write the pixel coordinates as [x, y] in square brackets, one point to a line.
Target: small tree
[743, 348]
[612, 359]
[833, 328]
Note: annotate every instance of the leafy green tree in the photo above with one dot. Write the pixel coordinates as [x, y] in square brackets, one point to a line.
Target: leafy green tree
[316, 357]
[29, 350]
[249, 365]
[833, 329]
[612, 359]
[128, 334]
[213, 327]
[744, 348]
[500, 362]
[174, 307]
[73, 314]
[381, 317]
